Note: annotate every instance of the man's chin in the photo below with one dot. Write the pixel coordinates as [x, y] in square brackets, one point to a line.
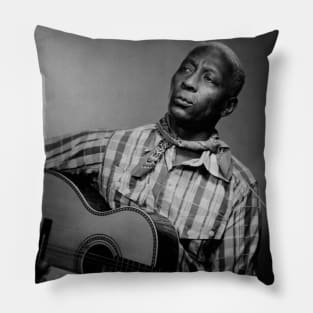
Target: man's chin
[179, 114]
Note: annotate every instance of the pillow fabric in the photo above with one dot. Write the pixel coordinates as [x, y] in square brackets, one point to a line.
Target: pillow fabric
[154, 155]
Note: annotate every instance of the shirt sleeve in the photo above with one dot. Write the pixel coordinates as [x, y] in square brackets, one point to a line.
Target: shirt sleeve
[238, 246]
[77, 153]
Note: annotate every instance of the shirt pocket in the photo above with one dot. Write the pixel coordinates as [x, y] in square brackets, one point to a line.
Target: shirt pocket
[218, 228]
[207, 226]
[125, 189]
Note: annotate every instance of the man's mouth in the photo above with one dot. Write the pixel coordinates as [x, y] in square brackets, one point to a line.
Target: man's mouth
[183, 101]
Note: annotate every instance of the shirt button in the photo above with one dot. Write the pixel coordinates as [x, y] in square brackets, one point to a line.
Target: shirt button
[211, 233]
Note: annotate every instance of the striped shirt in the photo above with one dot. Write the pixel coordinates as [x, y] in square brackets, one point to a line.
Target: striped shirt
[216, 217]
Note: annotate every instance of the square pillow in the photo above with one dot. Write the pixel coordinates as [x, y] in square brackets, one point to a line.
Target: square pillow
[154, 155]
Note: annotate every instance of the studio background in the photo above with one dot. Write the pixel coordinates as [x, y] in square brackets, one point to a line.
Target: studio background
[288, 151]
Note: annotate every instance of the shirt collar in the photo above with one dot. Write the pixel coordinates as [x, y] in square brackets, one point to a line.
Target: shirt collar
[219, 164]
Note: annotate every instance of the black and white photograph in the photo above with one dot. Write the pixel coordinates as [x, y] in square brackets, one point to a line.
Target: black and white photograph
[168, 193]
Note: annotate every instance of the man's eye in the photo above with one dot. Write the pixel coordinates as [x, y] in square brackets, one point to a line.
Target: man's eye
[210, 79]
[186, 69]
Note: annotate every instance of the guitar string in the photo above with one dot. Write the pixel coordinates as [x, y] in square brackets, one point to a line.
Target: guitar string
[72, 229]
[76, 253]
[115, 265]
[95, 258]
[108, 261]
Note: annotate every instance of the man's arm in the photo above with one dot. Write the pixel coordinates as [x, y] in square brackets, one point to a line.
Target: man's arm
[78, 153]
[237, 250]
[263, 258]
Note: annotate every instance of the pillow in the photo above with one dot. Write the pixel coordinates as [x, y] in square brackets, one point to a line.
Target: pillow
[154, 155]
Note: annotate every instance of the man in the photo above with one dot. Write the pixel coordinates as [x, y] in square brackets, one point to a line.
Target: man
[180, 168]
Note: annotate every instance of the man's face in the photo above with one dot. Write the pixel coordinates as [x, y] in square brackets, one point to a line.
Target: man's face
[199, 88]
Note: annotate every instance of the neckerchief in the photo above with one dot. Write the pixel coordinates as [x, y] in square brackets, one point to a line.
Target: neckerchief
[169, 138]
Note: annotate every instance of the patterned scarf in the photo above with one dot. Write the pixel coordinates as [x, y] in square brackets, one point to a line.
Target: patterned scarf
[169, 138]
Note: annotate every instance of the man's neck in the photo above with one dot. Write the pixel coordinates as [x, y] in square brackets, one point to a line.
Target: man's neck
[191, 134]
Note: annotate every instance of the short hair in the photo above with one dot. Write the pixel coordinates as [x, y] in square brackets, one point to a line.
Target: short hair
[238, 75]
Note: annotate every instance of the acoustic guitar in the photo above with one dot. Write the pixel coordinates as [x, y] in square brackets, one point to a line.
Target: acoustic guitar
[81, 234]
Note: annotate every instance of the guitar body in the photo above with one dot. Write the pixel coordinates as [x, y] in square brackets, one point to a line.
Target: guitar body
[80, 234]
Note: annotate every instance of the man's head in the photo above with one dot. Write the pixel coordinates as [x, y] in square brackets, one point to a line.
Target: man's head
[205, 86]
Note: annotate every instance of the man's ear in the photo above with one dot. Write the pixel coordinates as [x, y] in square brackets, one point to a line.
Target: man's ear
[229, 106]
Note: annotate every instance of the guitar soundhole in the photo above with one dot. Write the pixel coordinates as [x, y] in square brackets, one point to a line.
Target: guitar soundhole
[98, 258]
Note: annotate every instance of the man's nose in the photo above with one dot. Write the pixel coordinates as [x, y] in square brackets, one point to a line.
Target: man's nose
[190, 83]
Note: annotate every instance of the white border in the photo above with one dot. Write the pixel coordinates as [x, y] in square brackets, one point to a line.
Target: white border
[288, 156]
